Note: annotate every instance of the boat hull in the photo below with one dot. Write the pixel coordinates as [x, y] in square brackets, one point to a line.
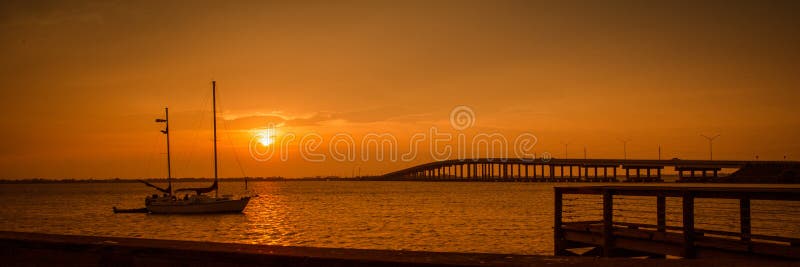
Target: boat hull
[199, 207]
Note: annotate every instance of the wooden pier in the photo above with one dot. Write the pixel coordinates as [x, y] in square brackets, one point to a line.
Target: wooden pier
[608, 235]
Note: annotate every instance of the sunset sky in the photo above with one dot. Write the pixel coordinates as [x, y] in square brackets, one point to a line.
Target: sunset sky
[83, 82]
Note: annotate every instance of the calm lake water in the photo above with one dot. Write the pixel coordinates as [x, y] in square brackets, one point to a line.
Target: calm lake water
[459, 217]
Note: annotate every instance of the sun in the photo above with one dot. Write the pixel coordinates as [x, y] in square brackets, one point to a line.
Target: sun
[265, 137]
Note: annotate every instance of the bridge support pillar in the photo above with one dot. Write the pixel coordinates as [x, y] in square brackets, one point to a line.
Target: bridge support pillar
[526, 171]
[615, 174]
[570, 171]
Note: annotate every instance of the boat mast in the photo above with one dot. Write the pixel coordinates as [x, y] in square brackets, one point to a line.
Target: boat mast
[165, 120]
[214, 110]
[166, 130]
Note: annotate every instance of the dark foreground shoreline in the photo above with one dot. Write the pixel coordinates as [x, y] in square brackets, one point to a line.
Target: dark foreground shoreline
[34, 249]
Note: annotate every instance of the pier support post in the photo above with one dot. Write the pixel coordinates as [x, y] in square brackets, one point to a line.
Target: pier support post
[558, 234]
[608, 222]
[661, 213]
[744, 217]
[688, 225]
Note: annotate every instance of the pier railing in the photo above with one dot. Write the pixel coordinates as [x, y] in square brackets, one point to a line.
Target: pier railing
[688, 222]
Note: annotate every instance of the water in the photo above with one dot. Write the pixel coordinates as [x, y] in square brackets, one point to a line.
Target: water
[456, 217]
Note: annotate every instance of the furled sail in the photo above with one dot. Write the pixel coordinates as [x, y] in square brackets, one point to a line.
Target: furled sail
[200, 190]
[167, 190]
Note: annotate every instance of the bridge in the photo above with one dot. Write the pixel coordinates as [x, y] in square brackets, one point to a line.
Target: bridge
[597, 170]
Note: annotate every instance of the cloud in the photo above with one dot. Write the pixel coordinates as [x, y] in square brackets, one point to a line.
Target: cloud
[328, 118]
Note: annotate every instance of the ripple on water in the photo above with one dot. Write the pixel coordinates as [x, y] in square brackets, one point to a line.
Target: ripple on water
[462, 217]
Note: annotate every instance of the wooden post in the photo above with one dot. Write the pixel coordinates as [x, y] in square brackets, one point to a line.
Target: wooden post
[557, 231]
[688, 225]
[744, 217]
[661, 212]
[608, 220]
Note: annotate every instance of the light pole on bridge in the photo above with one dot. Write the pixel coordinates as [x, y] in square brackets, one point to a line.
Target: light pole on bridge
[659, 152]
[625, 147]
[710, 145]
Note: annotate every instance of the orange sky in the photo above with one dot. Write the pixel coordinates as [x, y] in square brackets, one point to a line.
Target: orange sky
[82, 82]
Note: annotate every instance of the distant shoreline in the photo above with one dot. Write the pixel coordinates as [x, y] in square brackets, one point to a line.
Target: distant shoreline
[669, 179]
[179, 180]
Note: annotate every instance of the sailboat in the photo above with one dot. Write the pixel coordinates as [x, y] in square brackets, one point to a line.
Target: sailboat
[199, 203]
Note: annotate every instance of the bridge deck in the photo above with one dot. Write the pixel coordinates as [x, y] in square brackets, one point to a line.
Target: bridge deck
[583, 170]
